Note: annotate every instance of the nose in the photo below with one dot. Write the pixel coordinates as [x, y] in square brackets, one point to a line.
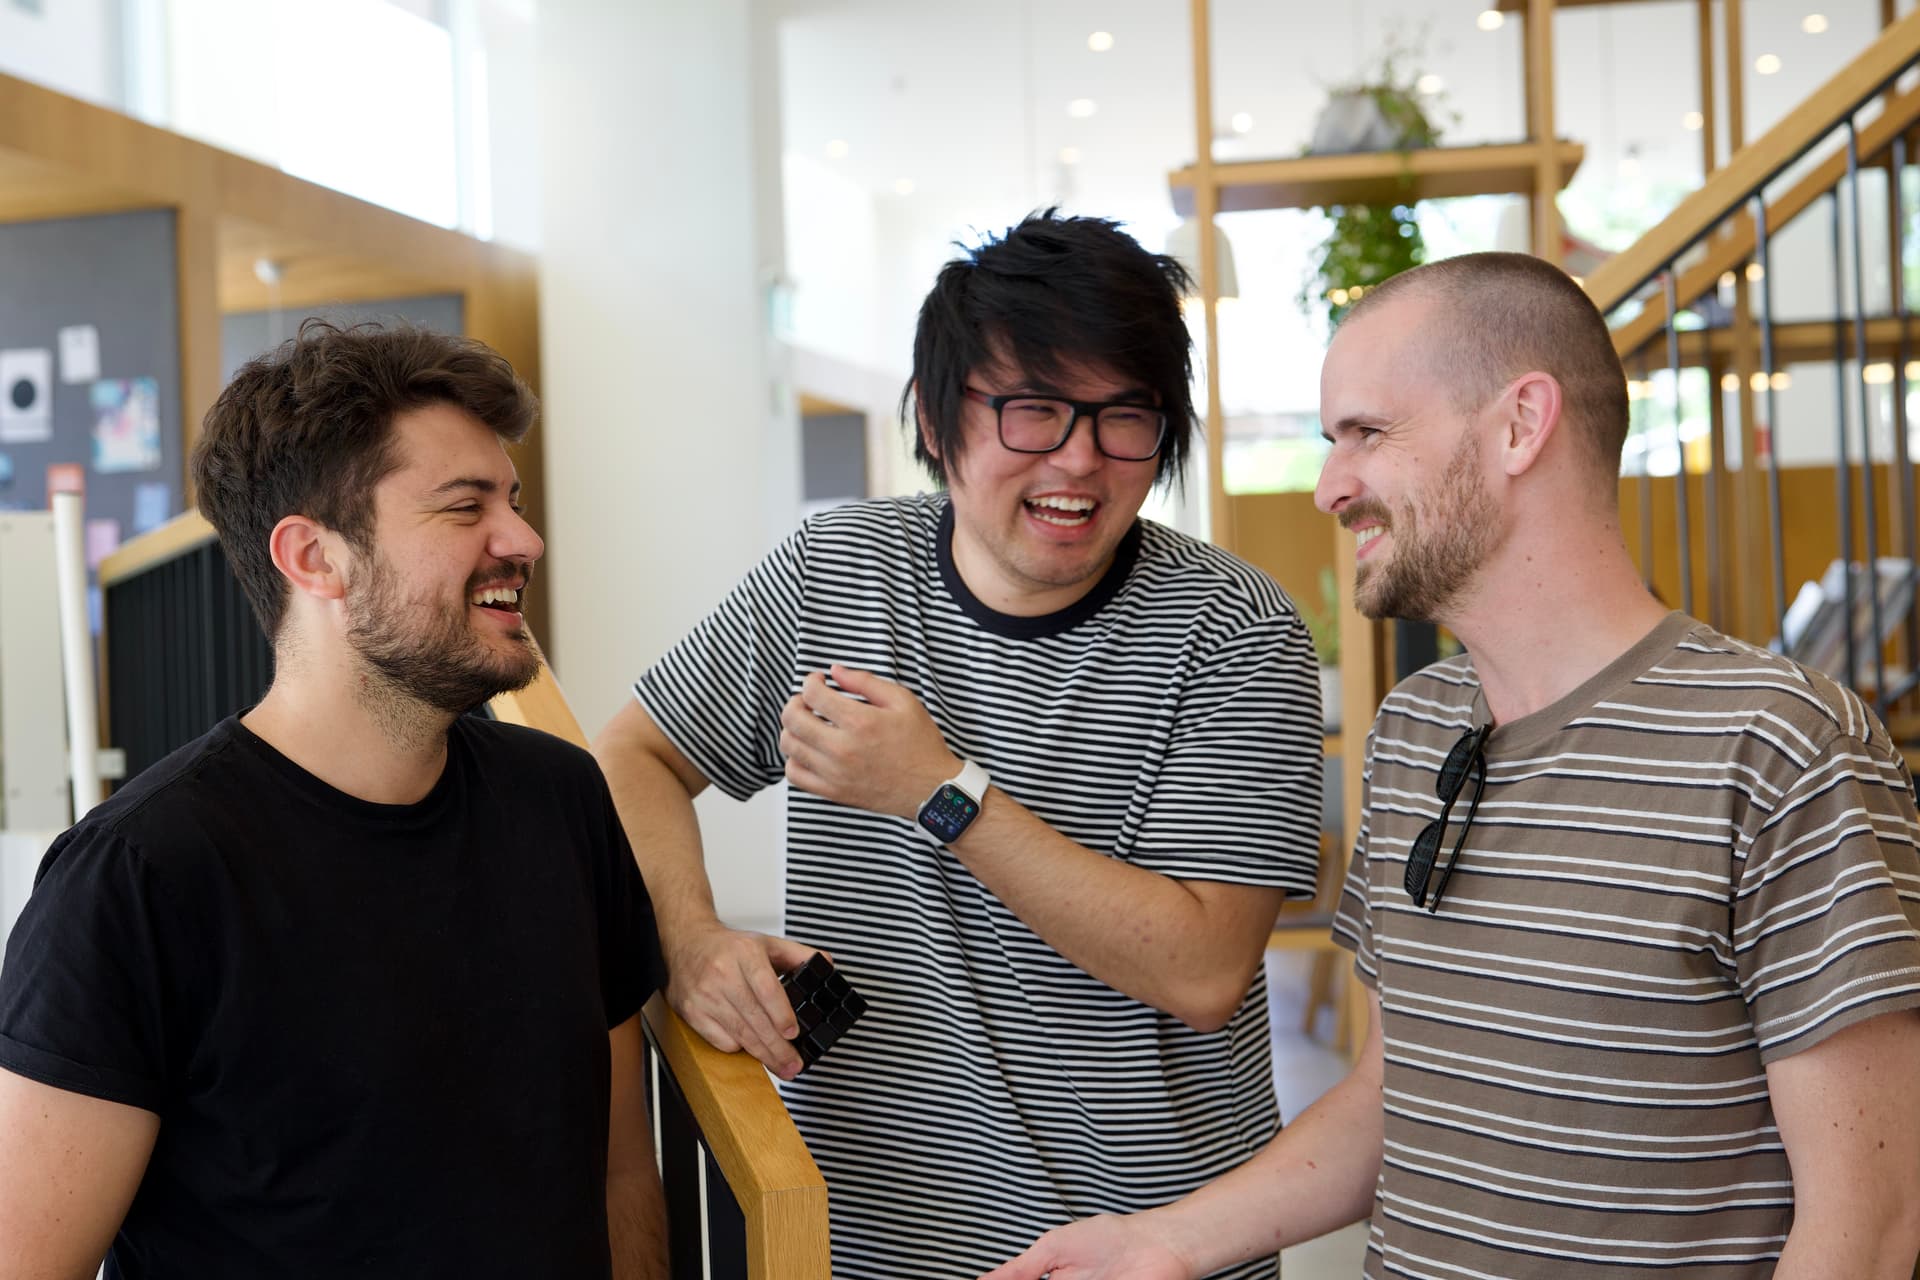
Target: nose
[1079, 453]
[515, 539]
[1336, 486]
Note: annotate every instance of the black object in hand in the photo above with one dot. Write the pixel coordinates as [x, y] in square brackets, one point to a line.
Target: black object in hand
[824, 1004]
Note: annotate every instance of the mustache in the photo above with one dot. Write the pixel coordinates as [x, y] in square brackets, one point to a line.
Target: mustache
[509, 570]
[1365, 509]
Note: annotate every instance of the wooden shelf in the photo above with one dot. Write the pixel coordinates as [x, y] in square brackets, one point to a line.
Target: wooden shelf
[1376, 177]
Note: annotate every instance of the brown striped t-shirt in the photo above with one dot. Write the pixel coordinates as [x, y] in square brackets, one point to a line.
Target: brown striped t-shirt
[1698, 862]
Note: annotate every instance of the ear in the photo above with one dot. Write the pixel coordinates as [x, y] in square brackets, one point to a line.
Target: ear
[927, 441]
[1530, 411]
[310, 556]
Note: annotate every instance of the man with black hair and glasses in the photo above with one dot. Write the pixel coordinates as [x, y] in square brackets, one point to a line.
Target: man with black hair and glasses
[1638, 902]
[1053, 769]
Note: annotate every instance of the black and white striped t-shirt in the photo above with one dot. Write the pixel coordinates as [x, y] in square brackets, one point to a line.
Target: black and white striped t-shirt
[1700, 861]
[1170, 718]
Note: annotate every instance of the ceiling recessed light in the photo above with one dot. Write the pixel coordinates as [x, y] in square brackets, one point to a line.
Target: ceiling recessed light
[837, 149]
[1766, 64]
[1081, 108]
[1729, 382]
[1100, 41]
[1429, 84]
[1490, 20]
[1242, 122]
[1693, 122]
[903, 186]
[1069, 155]
[1814, 23]
[1755, 273]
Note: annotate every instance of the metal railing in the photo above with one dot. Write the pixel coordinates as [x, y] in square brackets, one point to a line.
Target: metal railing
[1699, 292]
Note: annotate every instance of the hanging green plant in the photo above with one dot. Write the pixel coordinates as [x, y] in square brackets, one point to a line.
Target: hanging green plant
[1368, 243]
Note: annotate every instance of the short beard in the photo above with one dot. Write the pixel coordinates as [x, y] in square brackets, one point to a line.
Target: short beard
[441, 664]
[1441, 538]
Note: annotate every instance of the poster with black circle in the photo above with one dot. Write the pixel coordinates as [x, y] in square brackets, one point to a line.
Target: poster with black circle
[26, 395]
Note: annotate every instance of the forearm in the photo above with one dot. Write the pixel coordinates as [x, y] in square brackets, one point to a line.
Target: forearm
[1318, 1175]
[1138, 931]
[1834, 1251]
[656, 809]
[637, 1225]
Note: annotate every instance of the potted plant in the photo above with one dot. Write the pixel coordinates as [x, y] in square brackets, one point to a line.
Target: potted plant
[1366, 244]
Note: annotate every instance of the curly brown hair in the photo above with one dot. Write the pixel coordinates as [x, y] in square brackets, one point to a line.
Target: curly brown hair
[307, 429]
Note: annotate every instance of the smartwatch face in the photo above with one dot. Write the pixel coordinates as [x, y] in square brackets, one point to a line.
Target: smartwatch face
[948, 813]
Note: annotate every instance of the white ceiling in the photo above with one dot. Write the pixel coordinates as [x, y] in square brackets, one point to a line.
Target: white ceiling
[970, 103]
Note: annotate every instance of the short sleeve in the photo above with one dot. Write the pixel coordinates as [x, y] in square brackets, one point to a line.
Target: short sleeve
[84, 992]
[1238, 797]
[1353, 919]
[717, 694]
[1827, 906]
[631, 968]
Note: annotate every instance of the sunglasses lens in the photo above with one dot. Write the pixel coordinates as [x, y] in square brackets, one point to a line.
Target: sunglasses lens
[1453, 771]
[1426, 847]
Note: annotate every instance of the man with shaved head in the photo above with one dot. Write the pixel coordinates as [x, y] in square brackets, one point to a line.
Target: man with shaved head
[1638, 904]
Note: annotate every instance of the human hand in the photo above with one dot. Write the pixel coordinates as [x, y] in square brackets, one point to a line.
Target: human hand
[884, 755]
[1099, 1248]
[726, 984]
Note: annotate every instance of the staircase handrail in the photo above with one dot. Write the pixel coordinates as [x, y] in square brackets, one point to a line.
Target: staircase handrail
[1867, 76]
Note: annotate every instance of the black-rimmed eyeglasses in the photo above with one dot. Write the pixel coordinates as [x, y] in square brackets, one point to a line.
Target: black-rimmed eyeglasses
[1468, 757]
[1040, 424]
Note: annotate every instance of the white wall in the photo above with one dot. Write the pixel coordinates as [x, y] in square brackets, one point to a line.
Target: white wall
[671, 448]
[70, 45]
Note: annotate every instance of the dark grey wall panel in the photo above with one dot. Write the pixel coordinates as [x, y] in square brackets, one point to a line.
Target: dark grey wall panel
[115, 272]
[245, 334]
[833, 456]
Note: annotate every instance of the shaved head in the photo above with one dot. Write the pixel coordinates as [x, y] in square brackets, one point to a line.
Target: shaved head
[1500, 315]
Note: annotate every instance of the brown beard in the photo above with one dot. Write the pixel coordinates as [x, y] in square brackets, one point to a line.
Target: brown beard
[424, 652]
[1441, 537]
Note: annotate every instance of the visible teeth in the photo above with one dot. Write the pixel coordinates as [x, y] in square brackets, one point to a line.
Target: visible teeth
[1364, 536]
[1063, 504]
[497, 595]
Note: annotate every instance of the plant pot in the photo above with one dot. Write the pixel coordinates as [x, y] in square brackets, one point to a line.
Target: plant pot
[1330, 699]
[1353, 121]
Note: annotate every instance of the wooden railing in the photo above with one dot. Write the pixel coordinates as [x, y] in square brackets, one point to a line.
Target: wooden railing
[745, 1200]
[1697, 292]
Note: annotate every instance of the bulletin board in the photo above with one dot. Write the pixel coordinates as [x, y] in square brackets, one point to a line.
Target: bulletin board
[89, 370]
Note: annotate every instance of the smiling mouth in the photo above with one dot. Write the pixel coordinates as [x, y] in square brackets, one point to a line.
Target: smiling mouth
[499, 599]
[1364, 536]
[1066, 513]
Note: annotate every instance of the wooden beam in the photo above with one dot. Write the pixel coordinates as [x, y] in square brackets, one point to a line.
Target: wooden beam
[1747, 169]
[1377, 177]
[1540, 131]
[1205, 204]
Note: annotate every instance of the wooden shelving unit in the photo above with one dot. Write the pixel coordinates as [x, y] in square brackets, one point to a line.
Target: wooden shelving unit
[1378, 177]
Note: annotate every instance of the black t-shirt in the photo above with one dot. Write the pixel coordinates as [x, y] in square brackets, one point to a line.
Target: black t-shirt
[375, 1035]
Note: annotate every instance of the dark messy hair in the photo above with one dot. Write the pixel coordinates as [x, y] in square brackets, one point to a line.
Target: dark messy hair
[1050, 292]
[307, 429]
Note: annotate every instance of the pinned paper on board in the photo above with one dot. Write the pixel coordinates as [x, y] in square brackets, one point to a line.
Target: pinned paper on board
[103, 539]
[26, 395]
[79, 353]
[150, 502]
[66, 477]
[126, 424]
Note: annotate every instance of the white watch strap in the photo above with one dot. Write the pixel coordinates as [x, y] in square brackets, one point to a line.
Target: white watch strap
[973, 780]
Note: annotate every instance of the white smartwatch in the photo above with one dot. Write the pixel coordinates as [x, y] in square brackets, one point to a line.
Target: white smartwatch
[955, 803]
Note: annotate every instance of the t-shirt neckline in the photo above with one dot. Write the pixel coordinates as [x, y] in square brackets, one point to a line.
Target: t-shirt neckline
[1018, 627]
[423, 812]
[1529, 730]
